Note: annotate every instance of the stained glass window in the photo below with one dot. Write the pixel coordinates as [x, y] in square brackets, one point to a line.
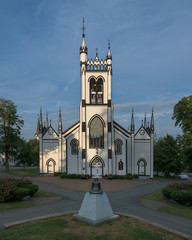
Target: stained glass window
[74, 146]
[118, 146]
[96, 133]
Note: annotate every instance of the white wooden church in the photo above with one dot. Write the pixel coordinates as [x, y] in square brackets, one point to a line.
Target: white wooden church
[96, 145]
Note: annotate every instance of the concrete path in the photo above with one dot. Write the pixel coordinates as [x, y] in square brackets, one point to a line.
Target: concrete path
[125, 201]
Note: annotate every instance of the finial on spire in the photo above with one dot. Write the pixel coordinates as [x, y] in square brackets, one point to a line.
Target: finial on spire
[109, 44]
[83, 28]
[109, 51]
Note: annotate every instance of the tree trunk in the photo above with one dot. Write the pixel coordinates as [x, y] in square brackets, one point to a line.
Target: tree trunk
[7, 161]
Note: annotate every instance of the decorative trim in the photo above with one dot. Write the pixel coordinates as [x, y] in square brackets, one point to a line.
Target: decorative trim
[109, 127]
[83, 153]
[122, 132]
[70, 127]
[109, 103]
[71, 132]
[96, 115]
[109, 154]
[83, 127]
[83, 103]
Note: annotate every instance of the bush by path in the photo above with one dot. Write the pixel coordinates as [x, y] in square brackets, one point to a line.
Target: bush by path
[16, 189]
[179, 192]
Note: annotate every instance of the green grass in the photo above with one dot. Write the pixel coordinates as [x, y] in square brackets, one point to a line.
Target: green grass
[23, 204]
[158, 196]
[178, 210]
[68, 228]
[27, 172]
[175, 209]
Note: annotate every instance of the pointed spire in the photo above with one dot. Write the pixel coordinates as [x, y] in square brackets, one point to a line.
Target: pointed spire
[50, 123]
[132, 122]
[152, 122]
[83, 48]
[145, 121]
[38, 126]
[47, 120]
[142, 123]
[41, 121]
[96, 57]
[60, 122]
[109, 56]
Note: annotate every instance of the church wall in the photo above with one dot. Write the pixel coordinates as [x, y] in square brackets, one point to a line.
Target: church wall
[142, 150]
[50, 151]
[129, 155]
[103, 153]
[73, 161]
[121, 157]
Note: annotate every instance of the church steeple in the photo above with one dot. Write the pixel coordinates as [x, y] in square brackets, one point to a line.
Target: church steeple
[132, 123]
[152, 123]
[109, 56]
[83, 48]
[47, 120]
[41, 121]
[145, 122]
[60, 122]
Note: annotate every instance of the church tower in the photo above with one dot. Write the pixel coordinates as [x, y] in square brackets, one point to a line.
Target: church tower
[96, 112]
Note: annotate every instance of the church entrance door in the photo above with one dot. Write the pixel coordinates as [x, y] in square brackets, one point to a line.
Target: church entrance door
[97, 168]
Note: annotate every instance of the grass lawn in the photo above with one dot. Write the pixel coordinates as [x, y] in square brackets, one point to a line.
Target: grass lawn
[175, 209]
[23, 204]
[27, 172]
[68, 228]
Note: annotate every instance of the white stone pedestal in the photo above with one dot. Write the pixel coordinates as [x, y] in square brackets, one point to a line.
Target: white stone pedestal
[95, 209]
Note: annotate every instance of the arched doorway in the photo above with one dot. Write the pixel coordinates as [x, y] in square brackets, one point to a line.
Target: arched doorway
[142, 167]
[97, 165]
[51, 166]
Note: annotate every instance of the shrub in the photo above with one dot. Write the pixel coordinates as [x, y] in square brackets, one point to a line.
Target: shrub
[20, 193]
[7, 187]
[135, 176]
[179, 192]
[22, 182]
[73, 175]
[57, 173]
[129, 176]
[33, 188]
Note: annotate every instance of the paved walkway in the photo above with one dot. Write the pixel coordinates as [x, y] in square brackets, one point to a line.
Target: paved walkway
[123, 195]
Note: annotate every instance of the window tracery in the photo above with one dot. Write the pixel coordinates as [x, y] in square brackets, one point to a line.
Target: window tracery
[96, 133]
[118, 147]
[96, 91]
[74, 146]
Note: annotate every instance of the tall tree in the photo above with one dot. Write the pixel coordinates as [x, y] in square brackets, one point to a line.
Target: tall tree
[10, 128]
[182, 114]
[166, 155]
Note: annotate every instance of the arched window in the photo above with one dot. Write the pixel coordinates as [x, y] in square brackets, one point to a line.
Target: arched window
[96, 133]
[118, 146]
[96, 91]
[74, 146]
[120, 165]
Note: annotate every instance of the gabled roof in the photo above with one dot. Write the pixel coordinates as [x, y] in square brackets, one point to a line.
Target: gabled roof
[121, 129]
[71, 129]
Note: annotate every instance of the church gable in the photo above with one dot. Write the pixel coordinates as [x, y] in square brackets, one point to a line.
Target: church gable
[71, 130]
[50, 134]
[142, 133]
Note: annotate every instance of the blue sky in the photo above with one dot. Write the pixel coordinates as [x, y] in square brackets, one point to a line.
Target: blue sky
[151, 45]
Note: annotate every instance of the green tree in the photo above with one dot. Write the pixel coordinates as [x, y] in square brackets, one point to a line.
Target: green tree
[10, 129]
[182, 114]
[28, 152]
[166, 155]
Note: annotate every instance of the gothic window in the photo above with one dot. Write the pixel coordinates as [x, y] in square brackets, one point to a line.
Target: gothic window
[118, 146]
[96, 91]
[120, 165]
[96, 136]
[74, 146]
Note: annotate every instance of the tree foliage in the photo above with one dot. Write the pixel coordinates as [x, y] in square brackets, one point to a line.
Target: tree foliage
[28, 152]
[10, 128]
[182, 114]
[167, 156]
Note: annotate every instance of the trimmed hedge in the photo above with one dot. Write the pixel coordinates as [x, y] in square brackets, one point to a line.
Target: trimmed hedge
[179, 192]
[20, 193]
[65, 175]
